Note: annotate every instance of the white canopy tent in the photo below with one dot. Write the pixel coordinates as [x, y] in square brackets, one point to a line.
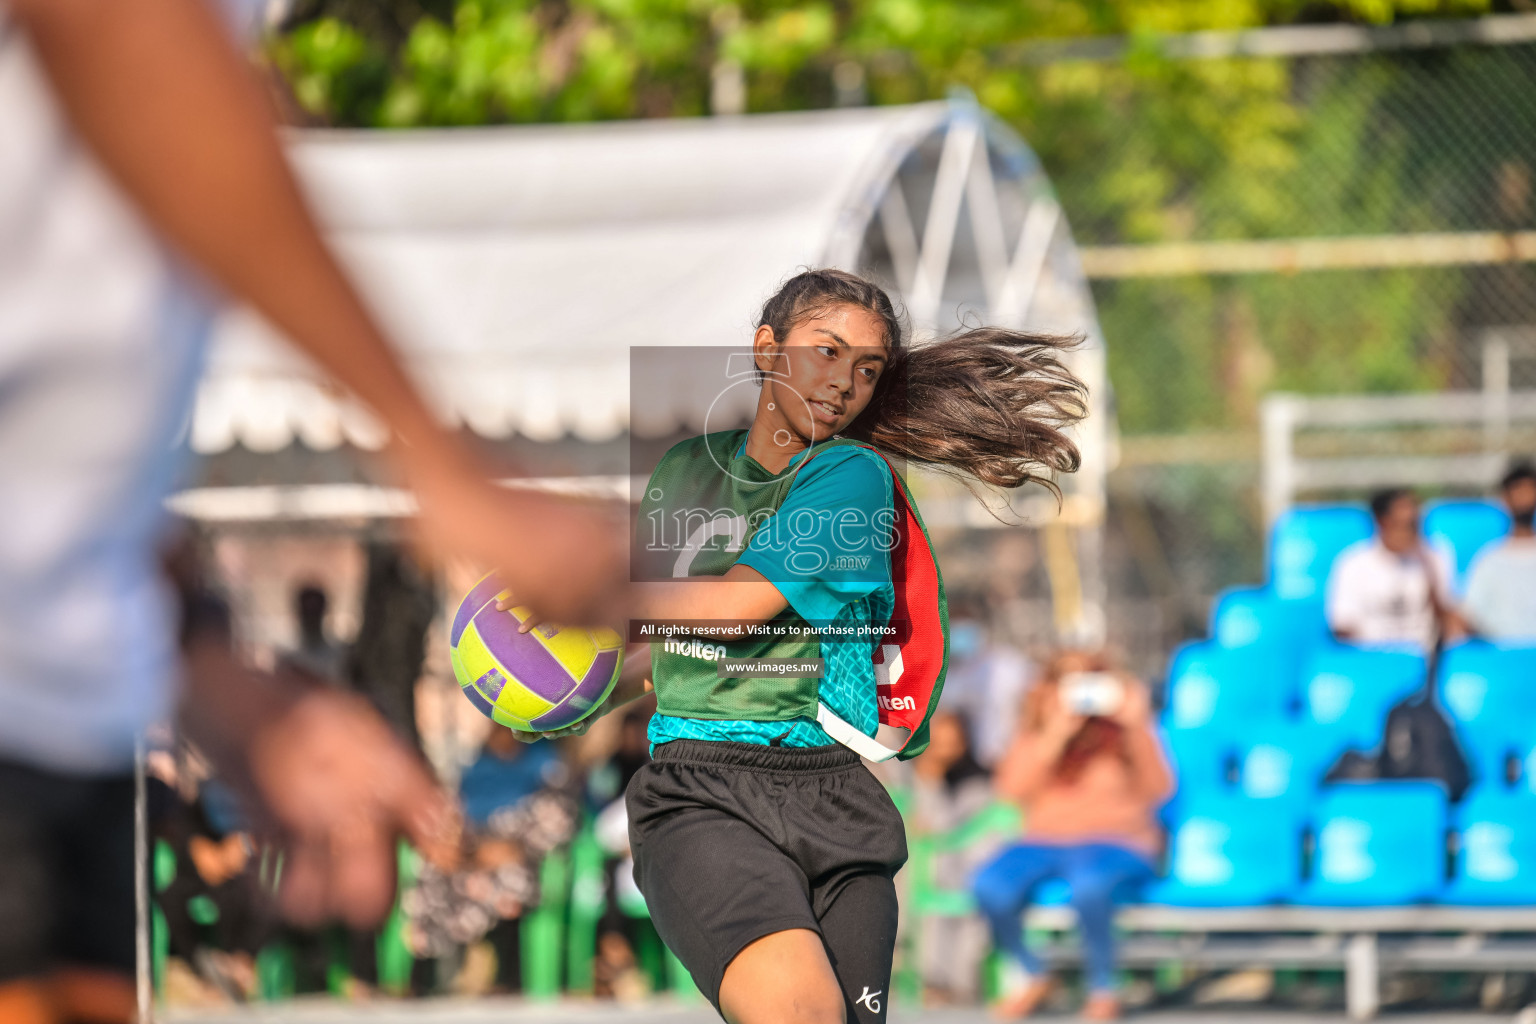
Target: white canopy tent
[519, 266]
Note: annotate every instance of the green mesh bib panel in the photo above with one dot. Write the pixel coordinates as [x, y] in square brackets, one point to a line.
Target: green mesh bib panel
[701, 509]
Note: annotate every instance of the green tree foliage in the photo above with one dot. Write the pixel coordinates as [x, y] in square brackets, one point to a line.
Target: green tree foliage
[1142, 149]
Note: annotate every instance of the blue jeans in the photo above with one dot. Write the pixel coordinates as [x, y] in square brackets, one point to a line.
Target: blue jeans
[1096, 873]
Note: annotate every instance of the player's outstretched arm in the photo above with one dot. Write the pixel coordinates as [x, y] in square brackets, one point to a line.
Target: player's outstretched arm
[741, 597]
[167, 104]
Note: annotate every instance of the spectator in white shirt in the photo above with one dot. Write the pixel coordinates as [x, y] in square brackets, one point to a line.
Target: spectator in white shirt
[1501, 588]
[1392, 588]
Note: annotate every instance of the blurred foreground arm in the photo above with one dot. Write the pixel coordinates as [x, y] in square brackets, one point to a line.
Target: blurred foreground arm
[168, 106]
[166, 103]
[326, 777]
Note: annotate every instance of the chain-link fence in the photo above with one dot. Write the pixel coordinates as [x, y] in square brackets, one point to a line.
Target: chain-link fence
[1434, 149]
[1372, 231]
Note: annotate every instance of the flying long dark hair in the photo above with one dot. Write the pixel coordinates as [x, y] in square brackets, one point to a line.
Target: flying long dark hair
[989, 402]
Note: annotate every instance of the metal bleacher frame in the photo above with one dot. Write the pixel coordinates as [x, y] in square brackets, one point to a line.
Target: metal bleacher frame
[1287, 472]
[1362, 941]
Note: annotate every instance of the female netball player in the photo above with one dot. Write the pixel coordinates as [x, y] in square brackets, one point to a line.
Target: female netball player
[764, 848]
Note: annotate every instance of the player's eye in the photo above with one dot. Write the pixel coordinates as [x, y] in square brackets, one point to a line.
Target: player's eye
[869, 372]
[827, 349]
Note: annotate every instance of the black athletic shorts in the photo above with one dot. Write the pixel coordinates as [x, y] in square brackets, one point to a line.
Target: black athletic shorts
[66, 871]
[735, 841]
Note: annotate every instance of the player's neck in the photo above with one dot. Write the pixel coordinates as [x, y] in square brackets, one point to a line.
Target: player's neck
[773, 446]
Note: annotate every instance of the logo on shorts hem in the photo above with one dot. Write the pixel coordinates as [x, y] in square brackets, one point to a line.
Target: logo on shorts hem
[870, 1000]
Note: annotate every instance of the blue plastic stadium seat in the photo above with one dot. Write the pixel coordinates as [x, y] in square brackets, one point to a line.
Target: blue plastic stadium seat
[1213, 687]
[1214, 695]
[1464, 528]
[1257, 617]
[1304, 543]
[1227, 851]
[1347, 692]
[1243, 617]
[1489, 692]
[1254, 619]
[1283, 762]
[1201, 759]
[1378, 844]
[1496, 856]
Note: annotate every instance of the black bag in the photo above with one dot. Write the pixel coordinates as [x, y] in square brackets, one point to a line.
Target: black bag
[1420, 744]
[1417, 743]
[1354, 766]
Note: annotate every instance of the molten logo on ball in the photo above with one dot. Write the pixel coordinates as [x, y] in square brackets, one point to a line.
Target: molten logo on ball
[540, 681]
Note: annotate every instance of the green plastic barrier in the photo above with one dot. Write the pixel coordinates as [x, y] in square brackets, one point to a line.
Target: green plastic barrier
[276, 973]
[394, 957]
[588, 897]
[543, 929]
[162, 874]
[589, 894]
[926, 897]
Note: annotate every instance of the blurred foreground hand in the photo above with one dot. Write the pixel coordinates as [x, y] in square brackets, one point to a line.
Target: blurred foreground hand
[338, 788]
[325, 778]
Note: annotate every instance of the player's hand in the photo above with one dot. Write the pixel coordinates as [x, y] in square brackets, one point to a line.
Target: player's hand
[505, 602]
[1061, 722]
[634, 681]
[338, 787]
[569, 732]
[1136, 705]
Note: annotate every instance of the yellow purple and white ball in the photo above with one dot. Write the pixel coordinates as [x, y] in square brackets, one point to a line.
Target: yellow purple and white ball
[548, 678]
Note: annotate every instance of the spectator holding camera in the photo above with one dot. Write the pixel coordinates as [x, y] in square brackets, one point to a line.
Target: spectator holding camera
[1090, 774]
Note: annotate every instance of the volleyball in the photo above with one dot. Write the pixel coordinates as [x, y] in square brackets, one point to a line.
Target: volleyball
[545, 679]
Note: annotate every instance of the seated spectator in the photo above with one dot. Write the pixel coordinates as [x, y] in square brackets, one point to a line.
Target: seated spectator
[949, 788]
[616, 973]
[507, 771]
[215, 912]
[1501, 588]
[1090, 774]
[1392, 589]
[517, 808]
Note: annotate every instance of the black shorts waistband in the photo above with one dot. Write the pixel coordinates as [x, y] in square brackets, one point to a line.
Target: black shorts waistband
[758, 756]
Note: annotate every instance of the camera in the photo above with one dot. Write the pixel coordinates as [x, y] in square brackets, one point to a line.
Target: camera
[1092, 693]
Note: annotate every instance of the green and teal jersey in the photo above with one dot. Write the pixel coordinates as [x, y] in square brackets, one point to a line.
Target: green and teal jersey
[822, 532]
[844, 593]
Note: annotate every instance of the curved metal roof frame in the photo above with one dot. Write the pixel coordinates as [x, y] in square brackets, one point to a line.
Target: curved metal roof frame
[518, 266]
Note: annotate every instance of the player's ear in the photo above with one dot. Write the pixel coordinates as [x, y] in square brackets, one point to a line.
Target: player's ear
[765, 348]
